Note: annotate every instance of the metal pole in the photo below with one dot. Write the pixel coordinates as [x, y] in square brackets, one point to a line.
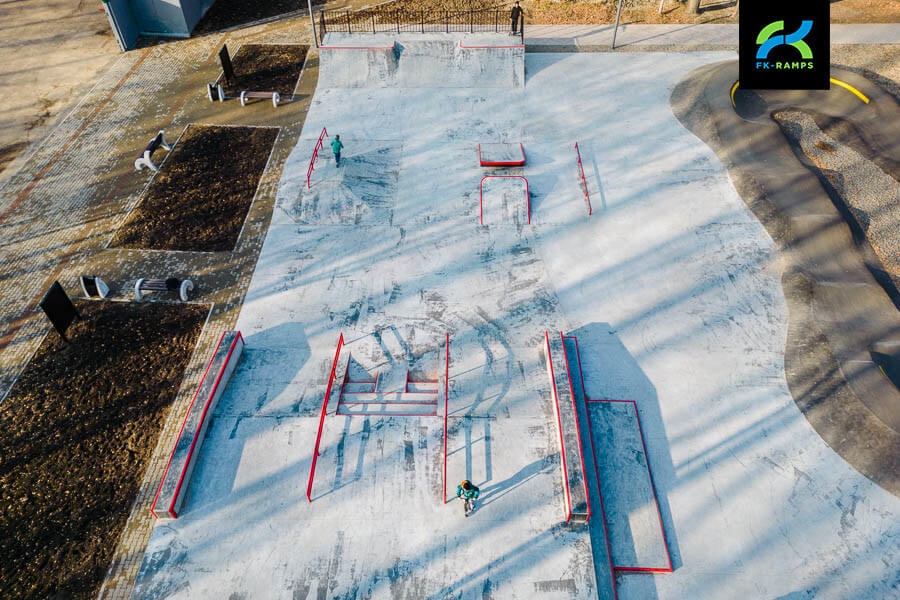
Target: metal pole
[312, 21]
[616, 30]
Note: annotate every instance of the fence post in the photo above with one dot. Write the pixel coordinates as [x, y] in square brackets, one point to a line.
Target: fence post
[398, 20]
[423, 21]
[348, 21]
[496, 21]
[373, 22]
[447, 14]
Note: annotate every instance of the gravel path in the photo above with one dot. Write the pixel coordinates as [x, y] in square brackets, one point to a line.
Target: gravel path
[872, 195]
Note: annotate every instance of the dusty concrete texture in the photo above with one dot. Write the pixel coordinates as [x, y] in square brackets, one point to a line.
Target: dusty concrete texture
[52, 51]
[672, 286]
[840, 305]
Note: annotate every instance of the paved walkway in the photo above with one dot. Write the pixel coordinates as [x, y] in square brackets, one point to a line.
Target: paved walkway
[60, 210]
[689, 36]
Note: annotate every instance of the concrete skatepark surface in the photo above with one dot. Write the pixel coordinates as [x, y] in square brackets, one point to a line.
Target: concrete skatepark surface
[672, 287]
[837, 289]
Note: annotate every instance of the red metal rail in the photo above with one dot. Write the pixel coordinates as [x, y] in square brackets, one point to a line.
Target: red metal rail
[587, 496]
[312, 161]
[312, 470]
[391, 47]
[481, 195]
[649, 473]
[587, 196]
[446, 394]
[562, 444]
[487, 47]
[180, 431]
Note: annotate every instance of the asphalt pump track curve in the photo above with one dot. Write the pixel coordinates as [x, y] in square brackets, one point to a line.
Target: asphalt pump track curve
[843, 342]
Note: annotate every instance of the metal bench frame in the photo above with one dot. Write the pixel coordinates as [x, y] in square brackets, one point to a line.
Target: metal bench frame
[145, 159]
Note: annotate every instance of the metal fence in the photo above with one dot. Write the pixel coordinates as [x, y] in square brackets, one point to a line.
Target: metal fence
[387, 20]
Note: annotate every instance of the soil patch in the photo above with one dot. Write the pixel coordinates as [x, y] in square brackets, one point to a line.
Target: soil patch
[553, 12]
[225, 14]
[267, 68]
[76, 435]
[9, 153]
[199, 199]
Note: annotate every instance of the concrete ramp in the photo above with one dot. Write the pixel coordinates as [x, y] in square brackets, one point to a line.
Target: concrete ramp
[431, 60]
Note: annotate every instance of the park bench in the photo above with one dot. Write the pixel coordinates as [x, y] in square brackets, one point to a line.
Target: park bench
[163, 285]
[214, 91]
[94, 287]
[273, 95]
[145, 159]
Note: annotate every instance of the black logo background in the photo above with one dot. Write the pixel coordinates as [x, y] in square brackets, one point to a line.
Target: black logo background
[757, 14]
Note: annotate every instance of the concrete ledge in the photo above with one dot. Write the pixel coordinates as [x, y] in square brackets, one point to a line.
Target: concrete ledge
[578, 507]
[177, 476]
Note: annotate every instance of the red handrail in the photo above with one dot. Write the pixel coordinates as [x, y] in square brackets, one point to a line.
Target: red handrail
[481, 196]
[312, 161]
[446, 394]
[583, 180]
[312, 470]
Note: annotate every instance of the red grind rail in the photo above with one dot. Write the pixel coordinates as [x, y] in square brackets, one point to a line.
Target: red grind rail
[391, 47]
[312, 470]
[312, 161]
[562, 448]
[481, 198]
[515, 163]
[171, 509]
[446, 394]
[587, 496]
[612, 568]
[587, 196]
[487, 47]
[649, 473]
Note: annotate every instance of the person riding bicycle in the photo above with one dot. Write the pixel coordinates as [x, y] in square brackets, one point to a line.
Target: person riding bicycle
[468, 491]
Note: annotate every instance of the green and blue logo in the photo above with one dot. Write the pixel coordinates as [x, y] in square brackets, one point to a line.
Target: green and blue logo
[784, 45]
[768, 41]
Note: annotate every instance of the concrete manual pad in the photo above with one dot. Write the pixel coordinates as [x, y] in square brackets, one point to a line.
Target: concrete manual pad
[632, 516]
[673, 290]
[501, 155]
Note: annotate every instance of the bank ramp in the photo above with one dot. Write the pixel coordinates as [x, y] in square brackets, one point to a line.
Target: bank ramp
[429, 60]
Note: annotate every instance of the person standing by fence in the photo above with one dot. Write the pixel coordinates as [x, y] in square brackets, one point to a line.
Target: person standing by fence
[514, 15]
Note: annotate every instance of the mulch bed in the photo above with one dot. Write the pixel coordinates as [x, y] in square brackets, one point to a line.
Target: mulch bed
[76, 435]
[267, 68]
[225, 14]
[199, 199]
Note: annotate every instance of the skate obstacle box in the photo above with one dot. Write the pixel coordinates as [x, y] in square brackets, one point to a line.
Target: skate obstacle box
[501, 155]
[176, 479]
[146, 157]
[270, 95]
[578, 509]
[171, 284]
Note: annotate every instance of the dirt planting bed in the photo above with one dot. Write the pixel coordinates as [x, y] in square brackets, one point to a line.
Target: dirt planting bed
[226, 14]
[199, 199]
[267, 68]
[76, 434]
